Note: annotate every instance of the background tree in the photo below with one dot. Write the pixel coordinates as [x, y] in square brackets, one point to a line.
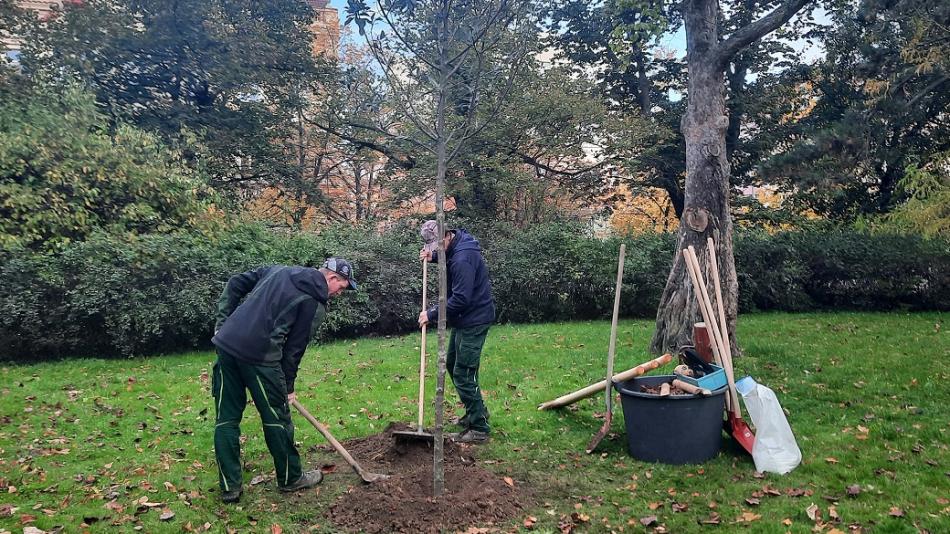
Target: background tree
[706, 210]
[878, 103]
[223, 72]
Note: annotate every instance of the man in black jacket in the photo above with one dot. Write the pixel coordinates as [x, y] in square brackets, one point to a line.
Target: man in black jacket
[260, 342]
[470, 310]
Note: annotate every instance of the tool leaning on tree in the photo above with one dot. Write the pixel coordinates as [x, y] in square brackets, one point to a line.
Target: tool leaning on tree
[738, 428]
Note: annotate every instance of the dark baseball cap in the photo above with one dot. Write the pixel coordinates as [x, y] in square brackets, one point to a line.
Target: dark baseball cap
[342, 268]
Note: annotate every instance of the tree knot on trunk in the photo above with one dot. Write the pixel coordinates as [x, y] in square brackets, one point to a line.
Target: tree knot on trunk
[696, 219]
[711, 149]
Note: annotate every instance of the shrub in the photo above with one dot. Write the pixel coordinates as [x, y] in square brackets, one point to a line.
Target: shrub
[65, 175]
[127, 294]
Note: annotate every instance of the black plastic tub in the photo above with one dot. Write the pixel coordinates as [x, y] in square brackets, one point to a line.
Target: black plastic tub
[676, 429]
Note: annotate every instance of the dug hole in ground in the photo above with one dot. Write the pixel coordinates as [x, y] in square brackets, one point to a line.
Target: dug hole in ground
[473, 495]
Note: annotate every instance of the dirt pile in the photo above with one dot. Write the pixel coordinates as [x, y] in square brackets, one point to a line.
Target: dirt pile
[474, 496]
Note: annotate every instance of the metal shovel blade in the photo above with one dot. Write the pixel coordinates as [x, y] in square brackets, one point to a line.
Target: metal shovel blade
[413, 435]
[604, 429]
[369, 478]
[741, 432]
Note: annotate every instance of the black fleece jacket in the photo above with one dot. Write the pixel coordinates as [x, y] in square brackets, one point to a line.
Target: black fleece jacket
[273, 323]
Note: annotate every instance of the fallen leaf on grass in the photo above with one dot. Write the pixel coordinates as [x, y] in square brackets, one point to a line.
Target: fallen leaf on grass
[854, 490]
[713, 519]
[654, 505]
[509, 481]
[862, 432]
[27, 518]
[833, 514]
[648, 520]
[896, 512]
[276, 529]
[114, 506]
[748, 517]
[170, 487]
[752, 501]
[831, 460]
[327, 468]
[787, 522]
[677, 507]
[834, 531]
[33, 530]
[167, 515]
[145, 502]
[583, 518]
[814, 513]
[529, 522]
[259, 479]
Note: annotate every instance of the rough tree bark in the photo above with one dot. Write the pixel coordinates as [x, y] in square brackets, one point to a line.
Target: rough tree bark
[706, 207]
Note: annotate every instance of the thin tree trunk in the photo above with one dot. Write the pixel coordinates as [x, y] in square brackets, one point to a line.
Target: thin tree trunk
[438, 454]
[706, 206]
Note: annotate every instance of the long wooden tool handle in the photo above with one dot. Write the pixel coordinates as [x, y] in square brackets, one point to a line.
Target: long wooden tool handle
[696, 277]
[613, 329]
[422, 350]
[723, 326]
[593, 389]
[714, 267]
[326, 433]
[692, 267]
[711, 320]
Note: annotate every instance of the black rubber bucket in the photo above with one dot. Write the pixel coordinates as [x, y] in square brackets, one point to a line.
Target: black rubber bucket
[676, 429]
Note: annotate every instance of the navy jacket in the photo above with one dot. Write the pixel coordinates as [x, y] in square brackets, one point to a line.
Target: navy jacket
[469, 293]
[273, 324]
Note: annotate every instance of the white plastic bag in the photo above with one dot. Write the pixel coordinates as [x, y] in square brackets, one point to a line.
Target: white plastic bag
[775, 449]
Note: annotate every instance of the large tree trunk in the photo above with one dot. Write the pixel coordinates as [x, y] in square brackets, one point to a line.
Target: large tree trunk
[706, 206]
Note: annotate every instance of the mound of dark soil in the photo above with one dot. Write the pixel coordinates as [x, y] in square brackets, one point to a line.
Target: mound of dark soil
[473, 495]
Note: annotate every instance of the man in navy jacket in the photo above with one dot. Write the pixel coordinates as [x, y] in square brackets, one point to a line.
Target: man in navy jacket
[260, 342]
[470, 311]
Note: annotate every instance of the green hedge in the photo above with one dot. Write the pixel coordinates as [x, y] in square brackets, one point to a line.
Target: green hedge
[116, 295]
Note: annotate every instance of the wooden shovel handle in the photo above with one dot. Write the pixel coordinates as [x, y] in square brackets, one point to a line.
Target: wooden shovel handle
[329, 437]
[611, 348]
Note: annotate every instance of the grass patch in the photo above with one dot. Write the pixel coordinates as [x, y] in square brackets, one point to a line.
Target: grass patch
[116, 442]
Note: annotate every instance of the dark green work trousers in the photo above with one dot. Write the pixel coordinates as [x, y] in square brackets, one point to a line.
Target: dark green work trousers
[462, 361]
[230, 381]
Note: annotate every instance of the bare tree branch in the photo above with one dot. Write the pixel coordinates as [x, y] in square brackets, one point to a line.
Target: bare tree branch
[748, 34]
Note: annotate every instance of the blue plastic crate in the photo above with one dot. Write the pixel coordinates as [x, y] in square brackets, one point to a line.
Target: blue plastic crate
[711, 381]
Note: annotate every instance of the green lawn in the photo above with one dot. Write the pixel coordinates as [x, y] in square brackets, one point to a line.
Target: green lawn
[117, 442]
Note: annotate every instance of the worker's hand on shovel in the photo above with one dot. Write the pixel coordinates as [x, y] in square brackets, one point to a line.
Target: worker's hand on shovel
[291, 398]
[423, 318]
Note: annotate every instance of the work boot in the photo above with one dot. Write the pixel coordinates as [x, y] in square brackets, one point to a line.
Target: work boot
[472, 436]
[460, 422]
[306, 480]
[232, 496]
